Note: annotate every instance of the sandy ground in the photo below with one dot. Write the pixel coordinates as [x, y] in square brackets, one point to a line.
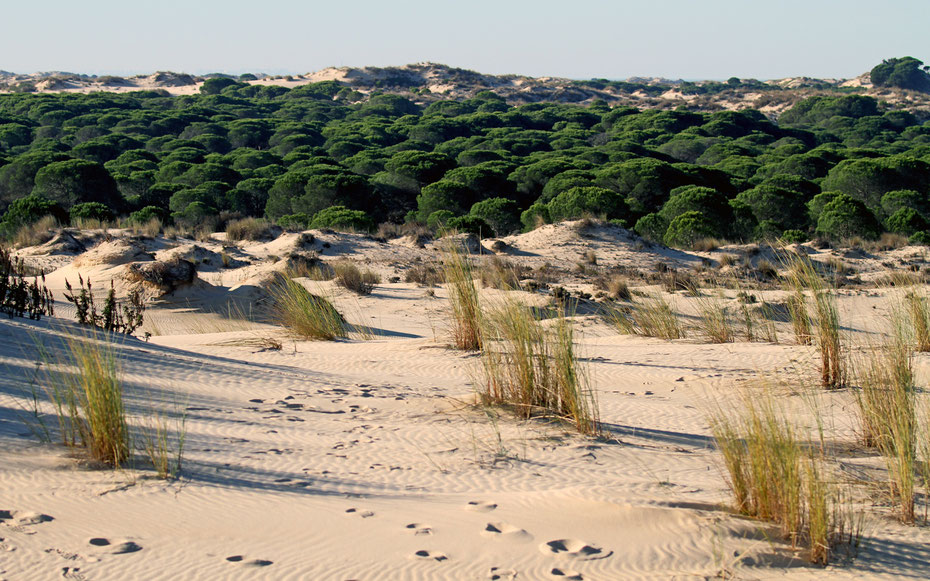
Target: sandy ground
[366, 458]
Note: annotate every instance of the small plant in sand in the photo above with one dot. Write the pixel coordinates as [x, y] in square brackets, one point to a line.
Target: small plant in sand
[653, 316]
[534, 369]
[119, 317]
[887, 411]
[714, 320]
[308, 315]
[802, 275]
[774, 477]
[163, 443]
[463, 298]
[248, 229]
[350, 277]
[87, 394]
[19, 298]
[918, 313]
[499, 273]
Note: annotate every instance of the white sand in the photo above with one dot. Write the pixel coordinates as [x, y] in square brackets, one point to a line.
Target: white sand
[364, 459]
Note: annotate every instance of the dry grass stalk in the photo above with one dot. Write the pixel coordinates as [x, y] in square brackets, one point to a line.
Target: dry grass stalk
[248, 229]
[535, 370]
[773, 477]
[888, 418]
[304, 313]
[714, 320]
[919, 318]
[463, 298]
[350, 277]
[499, 273]
[88, 398]
[37, 233]
[802, 275]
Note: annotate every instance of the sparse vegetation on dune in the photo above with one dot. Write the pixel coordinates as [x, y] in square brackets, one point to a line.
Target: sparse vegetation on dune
[307, 315]
[466, 312]
[774, 476]
[534, 369]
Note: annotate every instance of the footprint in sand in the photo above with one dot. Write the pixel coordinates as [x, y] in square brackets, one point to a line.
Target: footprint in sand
[360, 512]
[419, 528]
[575, 549]
[480, 506]
[498, 574]
[239, 559]
[430, 555]
[501, 530]
[72, 573]
[115, 548]
[18, 520]
[568, 574]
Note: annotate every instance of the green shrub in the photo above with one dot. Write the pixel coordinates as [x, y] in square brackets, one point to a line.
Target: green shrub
[794, 237]
[341, 218]
[535, 216]
[688, 228]
[906, 221]
[500, 213]
[91, 211]
[920, 239]
[471, 225]
[438, 219]
[147, 214]
[845, 217]
[652, 227]
[298, 221]
[590, 200]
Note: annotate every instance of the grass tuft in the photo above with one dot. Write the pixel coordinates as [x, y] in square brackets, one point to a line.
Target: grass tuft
[535, 370]
[463, 298]
[304, 313]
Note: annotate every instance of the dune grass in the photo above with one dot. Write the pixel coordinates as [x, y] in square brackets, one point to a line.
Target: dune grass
[350, 277]
[163, 443]
[463, 298]
[886, 401]
[87, 395]
[803, 276]
[535, 370]
[774, 476]
[714, 321]
[918, 314]
[307, 315]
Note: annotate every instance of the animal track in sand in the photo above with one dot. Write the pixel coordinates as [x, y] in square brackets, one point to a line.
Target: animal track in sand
[419, 528]
[501, 530]
[360, 512]
[566, 574]
[575, 549]
[239, 559]
[498, 574]
[72, 573]
[115, 548]
[480, 506]
[431, 555]
[18, 520]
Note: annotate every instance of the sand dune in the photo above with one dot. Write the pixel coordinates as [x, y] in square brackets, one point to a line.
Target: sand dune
[366, 458]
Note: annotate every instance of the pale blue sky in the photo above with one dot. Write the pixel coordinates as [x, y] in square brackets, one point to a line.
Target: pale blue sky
[692, 39]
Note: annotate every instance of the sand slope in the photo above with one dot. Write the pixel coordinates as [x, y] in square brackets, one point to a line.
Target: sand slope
[365, 459]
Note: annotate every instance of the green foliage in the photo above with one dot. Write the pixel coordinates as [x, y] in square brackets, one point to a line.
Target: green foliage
[652, 227]
[342, 218]
[794, 237]
[91, 211]
[920, 239]
[535, 216]
[147, 214]
[500, 213]
[903, 73]
[438, 219]
[295, 221]
[29, 210]
[75, 181]
[690, 227]
[591, 200]
[471, 225]
[906, 221]
[845, 217]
